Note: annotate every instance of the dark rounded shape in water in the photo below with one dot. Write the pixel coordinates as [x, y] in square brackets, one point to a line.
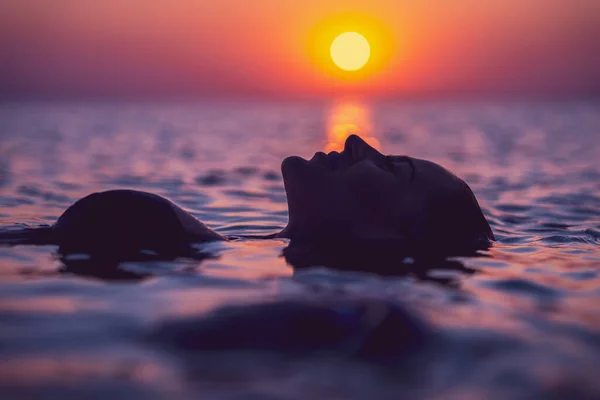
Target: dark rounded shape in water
[124, 223]
[363, 328]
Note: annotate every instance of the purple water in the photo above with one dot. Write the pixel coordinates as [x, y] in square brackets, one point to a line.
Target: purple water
[521, 323]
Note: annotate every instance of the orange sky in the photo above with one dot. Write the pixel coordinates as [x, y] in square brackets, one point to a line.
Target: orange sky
[279, 47]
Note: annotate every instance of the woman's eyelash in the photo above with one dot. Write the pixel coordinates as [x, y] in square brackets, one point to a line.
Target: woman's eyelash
[389, 163]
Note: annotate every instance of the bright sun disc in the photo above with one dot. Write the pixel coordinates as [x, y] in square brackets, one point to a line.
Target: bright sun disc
[350, 51]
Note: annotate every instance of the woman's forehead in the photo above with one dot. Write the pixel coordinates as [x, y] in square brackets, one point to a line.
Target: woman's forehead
[436, 175]
[426, 166]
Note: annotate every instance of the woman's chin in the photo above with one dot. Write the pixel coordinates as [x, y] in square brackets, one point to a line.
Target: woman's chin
[292, 166]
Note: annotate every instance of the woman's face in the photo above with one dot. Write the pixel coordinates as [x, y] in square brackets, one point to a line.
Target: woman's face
[361, 193]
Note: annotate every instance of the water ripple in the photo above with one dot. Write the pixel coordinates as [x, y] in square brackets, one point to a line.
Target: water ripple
[520, 321]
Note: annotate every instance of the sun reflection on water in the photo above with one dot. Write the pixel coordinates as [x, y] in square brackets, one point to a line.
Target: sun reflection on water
[347, 118]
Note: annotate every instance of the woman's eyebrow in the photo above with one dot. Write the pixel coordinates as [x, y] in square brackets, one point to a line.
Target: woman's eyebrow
[408, 160]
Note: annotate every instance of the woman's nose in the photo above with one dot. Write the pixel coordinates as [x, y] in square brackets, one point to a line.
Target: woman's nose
[359, 150]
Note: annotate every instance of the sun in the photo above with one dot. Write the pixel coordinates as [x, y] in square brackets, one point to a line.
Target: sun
[350, 51]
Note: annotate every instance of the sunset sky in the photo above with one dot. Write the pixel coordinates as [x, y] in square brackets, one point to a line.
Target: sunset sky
[280, 47]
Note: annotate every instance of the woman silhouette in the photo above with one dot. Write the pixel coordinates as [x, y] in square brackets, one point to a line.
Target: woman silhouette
[358, 197]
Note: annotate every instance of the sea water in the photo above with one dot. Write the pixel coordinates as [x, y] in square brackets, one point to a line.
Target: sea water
[521, 321]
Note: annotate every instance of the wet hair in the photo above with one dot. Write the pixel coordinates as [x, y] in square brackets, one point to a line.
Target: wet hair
[119, 224]
[454, 220]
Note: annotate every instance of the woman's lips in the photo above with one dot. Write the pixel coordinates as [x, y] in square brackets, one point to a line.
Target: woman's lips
[331, 161]
[321, 159]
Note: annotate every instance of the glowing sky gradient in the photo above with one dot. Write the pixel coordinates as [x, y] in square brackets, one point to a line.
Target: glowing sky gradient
[267, 47]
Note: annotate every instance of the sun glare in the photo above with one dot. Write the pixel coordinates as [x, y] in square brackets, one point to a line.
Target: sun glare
[346, 118]
[350, 51]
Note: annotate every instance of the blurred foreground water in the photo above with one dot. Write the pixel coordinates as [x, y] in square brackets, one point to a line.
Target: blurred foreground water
[521, 322]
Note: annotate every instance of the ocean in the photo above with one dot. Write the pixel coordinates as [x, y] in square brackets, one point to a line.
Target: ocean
[520, 321]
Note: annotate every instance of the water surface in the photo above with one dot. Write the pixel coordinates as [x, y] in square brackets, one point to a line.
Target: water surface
[521, 322]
